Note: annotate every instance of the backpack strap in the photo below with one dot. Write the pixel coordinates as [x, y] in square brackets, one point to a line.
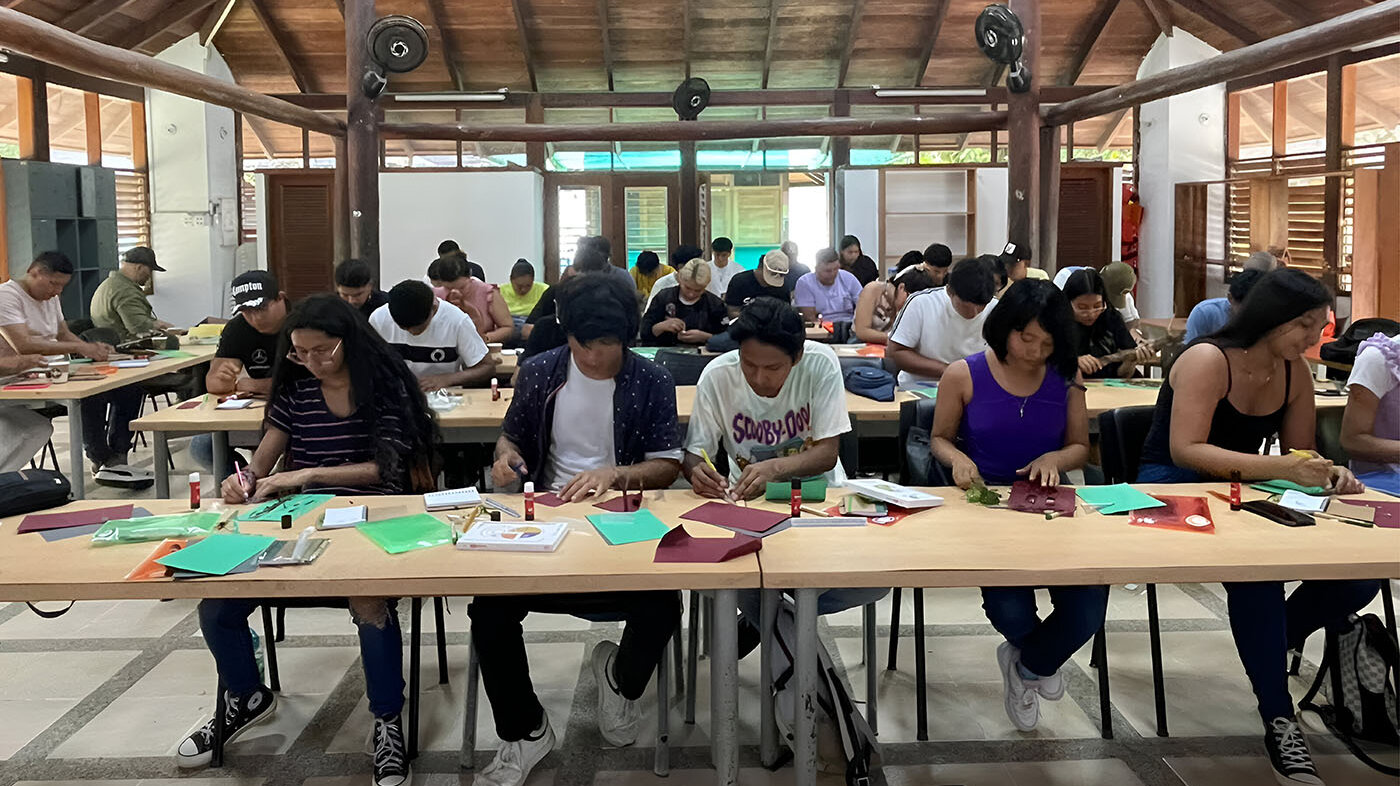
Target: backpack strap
[50, 615]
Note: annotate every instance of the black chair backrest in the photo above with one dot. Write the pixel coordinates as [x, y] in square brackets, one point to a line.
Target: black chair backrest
[1122, 433]
[685, 365]
[917, 464]
[1329, 435]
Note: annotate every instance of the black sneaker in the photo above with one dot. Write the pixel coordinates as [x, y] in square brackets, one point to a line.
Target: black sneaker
[239, 715]
[390, 753]
[1288, 753]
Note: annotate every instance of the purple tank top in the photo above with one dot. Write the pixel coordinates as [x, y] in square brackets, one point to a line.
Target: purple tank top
[1002, 433]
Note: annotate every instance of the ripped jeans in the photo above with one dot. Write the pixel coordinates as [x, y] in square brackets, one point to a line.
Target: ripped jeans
[224, 623]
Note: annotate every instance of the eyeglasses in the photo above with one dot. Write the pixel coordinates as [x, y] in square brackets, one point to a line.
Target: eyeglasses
[318, 356]
[1099, 309]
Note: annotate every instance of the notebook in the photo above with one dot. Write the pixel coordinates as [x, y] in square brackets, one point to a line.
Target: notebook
[339, 518]
[235, 403]
[451, 499]
[513, 536]
[893, 493]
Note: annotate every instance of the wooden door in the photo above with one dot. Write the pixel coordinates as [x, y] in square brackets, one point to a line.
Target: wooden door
[1190, 250]
[300, 229]
[1085, 233]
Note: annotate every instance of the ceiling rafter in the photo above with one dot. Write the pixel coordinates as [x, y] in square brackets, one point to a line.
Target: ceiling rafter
[282, 45]
[1092, 33]
[1160, 13]
[516, 7]
[1367, 106]
[852, 30]
[178, 13]
[445, 43]
[1220, 18]
[261, 134]
[214, 21]
[768, 43]
[685, 35]
[605, 29]
[935, 23]
[92, 14]
[1115, 124]
[1299, 12]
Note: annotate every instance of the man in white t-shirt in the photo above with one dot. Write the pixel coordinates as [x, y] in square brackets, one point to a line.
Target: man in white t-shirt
[436, 339]
[722, 266]
[939, 327]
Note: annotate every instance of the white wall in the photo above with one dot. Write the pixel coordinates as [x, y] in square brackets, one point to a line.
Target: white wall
[991, 209]
[193, 165]
[496, 217]
[862, 202]
[1182, 140]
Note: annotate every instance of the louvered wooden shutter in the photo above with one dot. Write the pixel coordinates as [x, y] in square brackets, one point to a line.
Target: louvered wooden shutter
[300, 230]
[133, 211]
[1086, 215]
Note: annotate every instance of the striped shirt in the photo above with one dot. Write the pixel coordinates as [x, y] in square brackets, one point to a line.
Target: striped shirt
[319, 438]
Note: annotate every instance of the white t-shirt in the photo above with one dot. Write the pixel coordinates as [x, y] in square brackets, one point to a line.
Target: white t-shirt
[811, 406]
[1129, 310]
[930, 325]
[42, 317]
[1371, 372]
[721, 276]
[449, 345]
[581, 436]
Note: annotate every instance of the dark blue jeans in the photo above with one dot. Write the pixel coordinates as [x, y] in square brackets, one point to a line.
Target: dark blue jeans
[1266, 625]
[224, 622]
[1046, 644]
[107, 423]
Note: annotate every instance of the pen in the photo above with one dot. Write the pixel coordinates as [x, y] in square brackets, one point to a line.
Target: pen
[243, 484]
[705, 454]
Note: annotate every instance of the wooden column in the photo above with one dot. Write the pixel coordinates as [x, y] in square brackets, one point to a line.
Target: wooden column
[92, 126]
[340, 223]
[361, 140]
[1340, 134]
[1280, 119]
[138, 138]
[1375, 285]
[690, 196]
[841, 157]
[535, 153]
[1023, 134]
[33, 95]
[1049, 198]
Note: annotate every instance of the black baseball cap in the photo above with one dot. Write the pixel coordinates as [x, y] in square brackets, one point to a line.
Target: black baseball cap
[142, 255]
[252, 289]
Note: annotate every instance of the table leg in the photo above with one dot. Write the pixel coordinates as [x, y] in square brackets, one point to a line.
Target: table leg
[724, 686]
[77, 474]
[768, 750]
[162, 467]
[872, 673]
[805, 724]
[221, 468]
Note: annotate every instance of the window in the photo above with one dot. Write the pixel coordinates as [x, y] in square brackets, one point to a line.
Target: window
[133, 215]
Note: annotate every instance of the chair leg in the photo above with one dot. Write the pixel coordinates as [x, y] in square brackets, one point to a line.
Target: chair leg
[1105, 709]
[707, 620]
[217, 752]
[281, 623]
[692, 657]
[920, 669]
[414, 680]
[679, 660]
[872, 671]
[274, 679]
[894, 629]
[1159, 687]
[467, 755]
[661, 764]
[438, 606]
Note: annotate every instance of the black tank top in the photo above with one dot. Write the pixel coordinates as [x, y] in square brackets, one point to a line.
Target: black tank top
[1229, 428]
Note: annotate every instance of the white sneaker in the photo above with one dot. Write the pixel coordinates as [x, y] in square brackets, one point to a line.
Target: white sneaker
[1050, 688]
[515, 760]
[1022, 701]
[617, 716]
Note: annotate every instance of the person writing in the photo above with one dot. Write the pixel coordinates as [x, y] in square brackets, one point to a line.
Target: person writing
[1371, 425]
[354, 283]
[23, 432]
[437, 341]
[448, 249]
[1248, 382]
[938, 258]
[687, 313]
[829, 292]
[481, 301]
[1099, 330]
[769, 279]
[1013, 412]
[880, 301]
[647, 272]
[120, 304]
[938, 327]
[523, 293]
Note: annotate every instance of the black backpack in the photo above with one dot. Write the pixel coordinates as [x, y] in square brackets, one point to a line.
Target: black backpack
[1356, 676]
[28, 490]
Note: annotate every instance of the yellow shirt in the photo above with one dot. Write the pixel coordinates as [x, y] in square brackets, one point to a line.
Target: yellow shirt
[645, 281]
[522, 305]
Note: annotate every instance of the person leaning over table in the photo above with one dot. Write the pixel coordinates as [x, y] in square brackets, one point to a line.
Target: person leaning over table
[938, 258]
[522, 294]
[120, 304]
[647, 272]
[355, 284]
[829, 292]
[1098, 328]
[587, 417]
[1371, 423]
[345, 418]
[23, 432]
[1013, 412]
[437, 341]
[880, 301]
[1239, 387]
[687, 313]
[770, 278]
[938, 327]
[479, 300]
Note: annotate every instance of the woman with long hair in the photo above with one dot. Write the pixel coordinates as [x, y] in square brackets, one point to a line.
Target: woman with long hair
[1241, 385]
[345, 416]
[880, 301]
[1099, 329]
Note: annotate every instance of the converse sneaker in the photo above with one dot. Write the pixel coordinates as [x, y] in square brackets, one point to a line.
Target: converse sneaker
[617, 716]
[515, 760]
[1288, 753]
[1022, 701]
[390, 753]
[1051, 688]
[240, 714]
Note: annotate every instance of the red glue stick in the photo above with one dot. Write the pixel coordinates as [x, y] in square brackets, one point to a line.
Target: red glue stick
[194, 491]
[796, 498]
[495, 390]
[529, 501]
[1235, 491]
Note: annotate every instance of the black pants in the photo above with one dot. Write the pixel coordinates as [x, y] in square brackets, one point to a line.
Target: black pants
[107, 423]
[650, 619]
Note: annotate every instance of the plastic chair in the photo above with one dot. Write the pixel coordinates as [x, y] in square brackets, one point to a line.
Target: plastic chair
[685, 365]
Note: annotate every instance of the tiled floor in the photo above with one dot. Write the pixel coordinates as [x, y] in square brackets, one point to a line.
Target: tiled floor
[105, 693]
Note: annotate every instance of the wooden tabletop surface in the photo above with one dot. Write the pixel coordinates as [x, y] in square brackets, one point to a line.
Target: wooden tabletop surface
[79, 389]
[75, 569]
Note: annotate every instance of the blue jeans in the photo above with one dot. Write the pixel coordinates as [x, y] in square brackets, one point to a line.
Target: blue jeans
[829, 602]
[224, 623]
[1046, 644]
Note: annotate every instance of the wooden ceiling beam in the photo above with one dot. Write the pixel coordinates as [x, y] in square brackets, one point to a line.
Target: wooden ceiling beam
[214, 22]
[935, 24]
[685, 35]
[1298, 12]
[178, 13]
[768, 42]
[445, 44]
[92, 14]
[261, 134]
[1249, 111]
[1367, 106]
[605, 29]
[516, 7]
[1115, 123]
[282, 45]
[1217, 15]
[1092, 33]
[1161, 15]
[852, 30]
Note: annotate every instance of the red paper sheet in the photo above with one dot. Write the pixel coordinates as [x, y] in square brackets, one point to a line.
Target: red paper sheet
[549, 499]
[755, 520]
[1032, 498]
[26, 386]
[680, 546]
[1387, 513]
[629, 503]
[1191, 514]
[893, 513]
[191, 404]
[45, 521]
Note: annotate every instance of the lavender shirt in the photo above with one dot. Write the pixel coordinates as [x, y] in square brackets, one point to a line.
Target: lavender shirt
[836, 303]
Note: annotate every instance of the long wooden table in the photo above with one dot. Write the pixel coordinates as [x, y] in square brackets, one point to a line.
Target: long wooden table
[71, 394]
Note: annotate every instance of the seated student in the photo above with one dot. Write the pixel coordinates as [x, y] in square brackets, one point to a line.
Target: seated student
[939, 260]
[1119, 278]
[355, 284]
[1208, 316]
[448, 249]
[120, 304]
[937, 327]
[723, 269]
[546, 331]
[830, 292]
[603, 246]
[769, 279]
[1247, 382]
[482, 302]
[1371, 425]
[23, 432]
[1012, 265]
[687, 313]
[345, 418]
[855, 262]
[31, 320]
[795, 268]
[586, 417]
[679, 258]
[880, 301]
[647, 271]
[1013, 412]
[523, 295]
[437, 341]
[1099, 329]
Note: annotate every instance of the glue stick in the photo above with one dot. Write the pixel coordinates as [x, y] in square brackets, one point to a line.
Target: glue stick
[495, 390]
[194, 491]
[796, 497]
[1235, 490]
[529, 501]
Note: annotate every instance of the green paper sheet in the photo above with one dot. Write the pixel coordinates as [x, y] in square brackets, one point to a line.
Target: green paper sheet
[929, 393]
[295, 506]
[619, 529]
[174, 354]
[647, 352]
[1117, 383]
[407, 533]
[193, 524]
[216, 555]
[813, 490]
[1118, 498]
[1280, 486]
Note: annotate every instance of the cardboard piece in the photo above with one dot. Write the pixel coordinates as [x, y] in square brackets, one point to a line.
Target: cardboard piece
[813, 490]
[39, 522]
[1117, 498]
[217, 555]
[296, 505]
[619, 529]
[680, 546]
[407, 533]
[1387, 513]
[753, 520]
[627, 503]
[1032, 498]
[1183, 513]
